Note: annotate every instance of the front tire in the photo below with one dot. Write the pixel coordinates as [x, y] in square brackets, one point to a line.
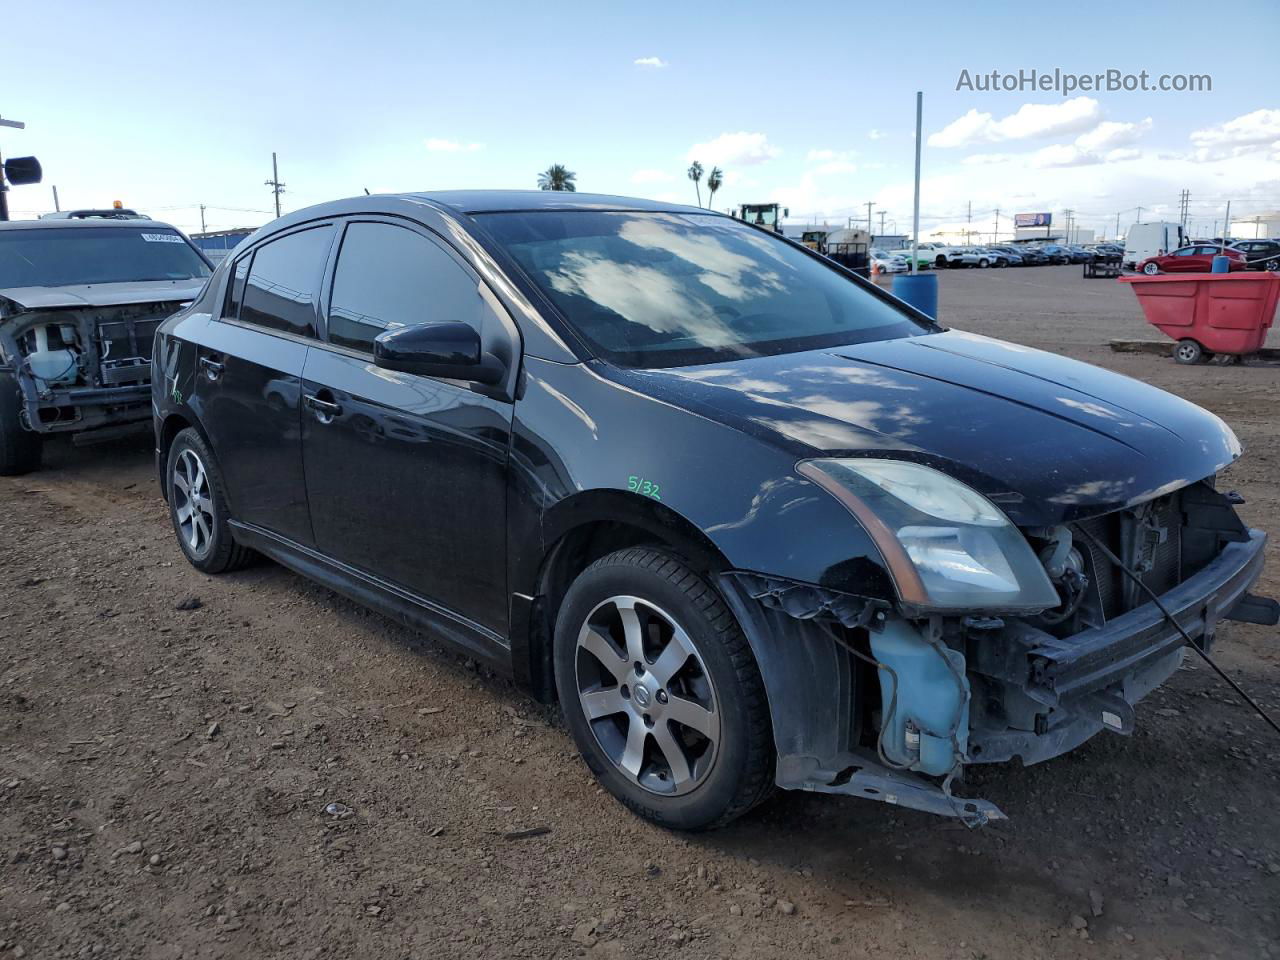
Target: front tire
[198, 506]
[661, 692]
[20, 448]
[1151, 269]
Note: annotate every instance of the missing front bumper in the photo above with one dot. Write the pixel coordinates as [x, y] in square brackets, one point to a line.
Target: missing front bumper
[1034, 696]
[1041, 696]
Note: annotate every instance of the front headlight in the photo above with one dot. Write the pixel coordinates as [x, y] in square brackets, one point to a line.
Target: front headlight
[947, 546]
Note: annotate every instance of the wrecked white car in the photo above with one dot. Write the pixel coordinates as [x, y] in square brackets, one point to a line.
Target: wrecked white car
[80, 300]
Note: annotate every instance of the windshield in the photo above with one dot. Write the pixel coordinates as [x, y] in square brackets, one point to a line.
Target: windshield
[68, 256]
[662, 290]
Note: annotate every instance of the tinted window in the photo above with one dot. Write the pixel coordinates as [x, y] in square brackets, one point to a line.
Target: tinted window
[390, 277]
[662, 289]
[283, 282]
[66, 256]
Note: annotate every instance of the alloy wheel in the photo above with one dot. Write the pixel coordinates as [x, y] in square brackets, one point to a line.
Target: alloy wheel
[192, 505]
[647, 695]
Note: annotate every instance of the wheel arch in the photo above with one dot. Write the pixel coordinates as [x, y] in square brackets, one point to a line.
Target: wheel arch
[173, 424]
[577, 532]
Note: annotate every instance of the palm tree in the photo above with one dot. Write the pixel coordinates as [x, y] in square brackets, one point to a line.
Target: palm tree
[695, 174]
[557, 177]
[715, 179]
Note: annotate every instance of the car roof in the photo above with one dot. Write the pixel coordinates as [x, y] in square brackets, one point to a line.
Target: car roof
[493, 201]
[86, 224]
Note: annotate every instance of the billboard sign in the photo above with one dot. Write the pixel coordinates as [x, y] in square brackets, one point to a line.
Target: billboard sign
[1032, 219]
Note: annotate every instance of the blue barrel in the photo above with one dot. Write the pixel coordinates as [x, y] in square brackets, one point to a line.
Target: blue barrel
[918, 289]
[1221, 264]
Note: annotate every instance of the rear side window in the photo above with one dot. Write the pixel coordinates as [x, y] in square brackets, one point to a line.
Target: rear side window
[284, 281]
[235, 289]
[389, 277]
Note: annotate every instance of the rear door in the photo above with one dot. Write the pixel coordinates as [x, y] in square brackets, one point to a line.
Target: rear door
[406, 474]
[249, 385]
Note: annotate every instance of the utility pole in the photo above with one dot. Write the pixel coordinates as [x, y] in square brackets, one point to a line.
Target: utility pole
[995, 237]
[1139, 220]
[202, 229]
[1184, 201]
[915, 202]
[1117, 236]
[1067, 213]
[4, 187]
[968, 223]
[870, 204]
[56, 208]
[274, 183]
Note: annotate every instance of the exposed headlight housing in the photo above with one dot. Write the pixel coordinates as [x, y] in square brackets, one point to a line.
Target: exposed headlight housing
[947, 546]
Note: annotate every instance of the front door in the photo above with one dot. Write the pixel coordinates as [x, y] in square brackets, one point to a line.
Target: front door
[249, 382]
[406, 474]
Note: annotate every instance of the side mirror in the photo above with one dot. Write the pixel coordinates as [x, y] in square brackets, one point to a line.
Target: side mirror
[449, 350]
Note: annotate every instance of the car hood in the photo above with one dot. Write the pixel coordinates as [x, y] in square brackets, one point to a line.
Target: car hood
[1047, 438]
[103, 294]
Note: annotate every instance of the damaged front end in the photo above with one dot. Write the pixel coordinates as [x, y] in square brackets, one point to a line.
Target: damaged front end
[81, 368]
[889, 701]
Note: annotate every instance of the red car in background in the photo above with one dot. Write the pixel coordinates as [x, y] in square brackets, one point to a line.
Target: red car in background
[1197, 258]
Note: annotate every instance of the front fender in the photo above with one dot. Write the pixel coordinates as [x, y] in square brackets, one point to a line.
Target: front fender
[576, 432]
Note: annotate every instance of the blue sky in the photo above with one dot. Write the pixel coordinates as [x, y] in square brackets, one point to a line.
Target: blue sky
[168, 105]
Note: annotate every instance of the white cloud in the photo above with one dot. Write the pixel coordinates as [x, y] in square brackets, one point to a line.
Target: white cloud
[1250, 133]
[734, 149]
[436, 145]
[987, 159]
[656, 62]
[1108, 142]
[1123, 153]
[832, 161]
[1031, 120]
[652, 176]
[1111, 133]
[874, 134]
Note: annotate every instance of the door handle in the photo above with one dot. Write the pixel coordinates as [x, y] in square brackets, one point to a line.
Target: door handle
[212, 368]
[325, 410]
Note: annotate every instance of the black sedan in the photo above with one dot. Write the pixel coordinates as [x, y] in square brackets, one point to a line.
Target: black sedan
[751, 521]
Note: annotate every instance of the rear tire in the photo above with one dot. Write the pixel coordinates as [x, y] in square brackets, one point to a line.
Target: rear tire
[20, 448]
[1189, 352]
[198, 506]
[624, 622]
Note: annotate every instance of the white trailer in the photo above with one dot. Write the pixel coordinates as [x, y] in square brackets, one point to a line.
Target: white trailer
[1145, 240]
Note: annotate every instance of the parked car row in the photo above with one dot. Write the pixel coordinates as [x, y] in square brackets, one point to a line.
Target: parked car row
[941, 256]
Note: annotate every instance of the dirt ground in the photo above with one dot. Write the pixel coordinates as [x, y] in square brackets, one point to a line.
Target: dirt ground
[169, 743]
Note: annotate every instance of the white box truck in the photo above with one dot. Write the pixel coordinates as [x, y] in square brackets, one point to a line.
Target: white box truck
[1145, 240]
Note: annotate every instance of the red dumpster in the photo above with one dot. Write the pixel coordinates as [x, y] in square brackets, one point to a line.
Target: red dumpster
[1209, 313]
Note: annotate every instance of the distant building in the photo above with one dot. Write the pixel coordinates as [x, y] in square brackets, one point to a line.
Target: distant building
[890, 241]
[1258, 227]
[216, 244]
[1078, 234]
